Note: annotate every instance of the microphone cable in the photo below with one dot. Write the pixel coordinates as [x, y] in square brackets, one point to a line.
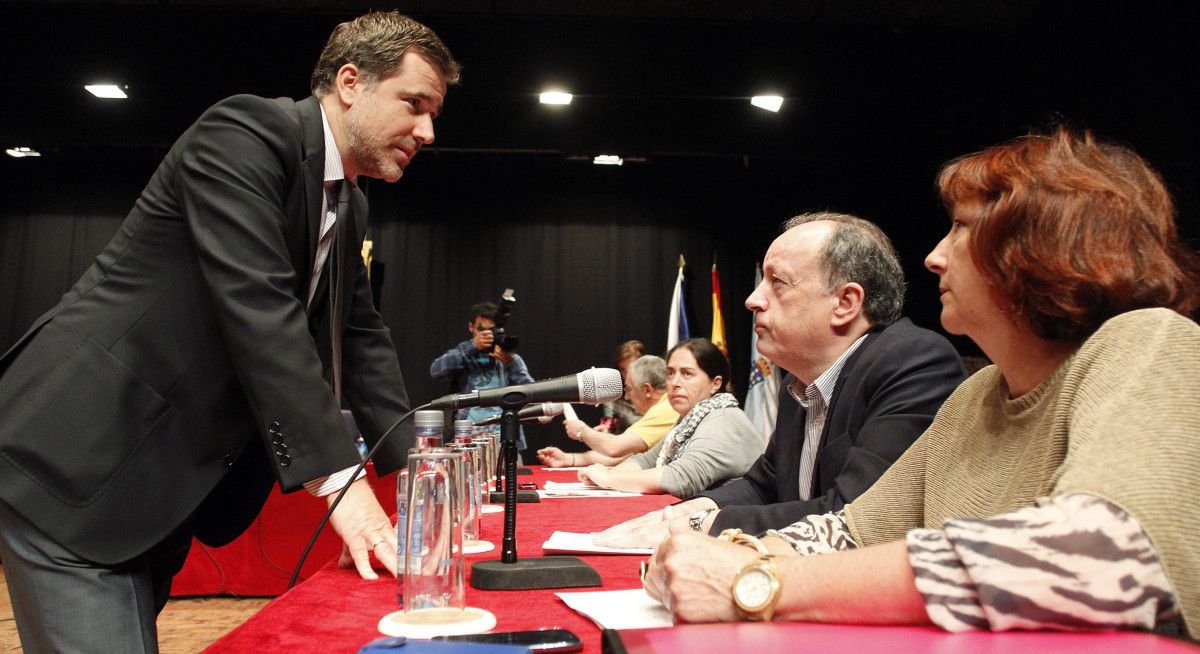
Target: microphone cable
[337, 500]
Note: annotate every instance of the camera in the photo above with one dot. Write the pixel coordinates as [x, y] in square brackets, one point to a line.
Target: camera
[500, 337]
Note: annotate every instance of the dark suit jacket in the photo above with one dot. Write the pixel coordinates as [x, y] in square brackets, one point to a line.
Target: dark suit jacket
[181, 375]
[887, 394]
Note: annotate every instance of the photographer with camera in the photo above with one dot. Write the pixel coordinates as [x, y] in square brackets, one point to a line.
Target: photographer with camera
[486, 360]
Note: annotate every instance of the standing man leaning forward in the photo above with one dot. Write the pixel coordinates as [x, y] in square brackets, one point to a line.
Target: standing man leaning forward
[863, 383]
[646, 389]
[200, 359]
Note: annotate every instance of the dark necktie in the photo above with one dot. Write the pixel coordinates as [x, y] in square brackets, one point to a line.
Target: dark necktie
[336, 297]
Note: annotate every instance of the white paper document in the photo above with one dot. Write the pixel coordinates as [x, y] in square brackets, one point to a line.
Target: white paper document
[619, 609]
[566, 542]
[554, 489]
[569, 412]
[571, 486]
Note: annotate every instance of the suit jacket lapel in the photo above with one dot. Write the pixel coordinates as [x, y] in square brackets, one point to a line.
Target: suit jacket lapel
[313, 179]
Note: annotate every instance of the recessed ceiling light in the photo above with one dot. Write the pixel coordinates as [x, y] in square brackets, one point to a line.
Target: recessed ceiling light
[555, 97]
[106, 91]
[19, 152]
[608, 160]
[768, 102]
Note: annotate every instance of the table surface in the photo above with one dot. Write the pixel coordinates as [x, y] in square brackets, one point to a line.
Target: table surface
[793, 637]
[336, 611]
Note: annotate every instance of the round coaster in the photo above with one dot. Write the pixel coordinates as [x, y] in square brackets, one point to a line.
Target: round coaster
[427, 623]
[491, 508]
[477, 546]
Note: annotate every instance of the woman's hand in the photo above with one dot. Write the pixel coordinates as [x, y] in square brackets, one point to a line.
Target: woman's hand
[554, 458]
[596, 474]
[692, 575]
[574, 428]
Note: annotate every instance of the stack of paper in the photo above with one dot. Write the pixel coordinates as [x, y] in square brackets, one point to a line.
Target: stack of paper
[580, 489]
[619, 609]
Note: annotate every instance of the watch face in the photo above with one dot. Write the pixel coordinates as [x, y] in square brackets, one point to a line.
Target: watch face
[753, 589]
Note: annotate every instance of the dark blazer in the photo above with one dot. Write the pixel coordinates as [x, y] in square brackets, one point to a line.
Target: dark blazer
[887, 394]
[182, 375]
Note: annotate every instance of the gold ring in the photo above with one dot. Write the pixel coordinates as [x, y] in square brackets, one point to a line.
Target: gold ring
[578, 433]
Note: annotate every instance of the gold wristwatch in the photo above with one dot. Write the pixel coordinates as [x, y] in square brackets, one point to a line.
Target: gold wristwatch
[756, 588]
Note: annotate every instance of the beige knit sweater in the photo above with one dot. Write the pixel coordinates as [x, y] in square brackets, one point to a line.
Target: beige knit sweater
[1119, 419]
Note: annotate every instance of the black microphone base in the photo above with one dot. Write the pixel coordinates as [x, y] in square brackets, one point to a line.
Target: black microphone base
[536, 572]
[526, 496]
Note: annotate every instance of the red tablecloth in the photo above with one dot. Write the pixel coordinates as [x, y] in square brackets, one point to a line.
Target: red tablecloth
[335, 611]
[798, 637]
[260, 561]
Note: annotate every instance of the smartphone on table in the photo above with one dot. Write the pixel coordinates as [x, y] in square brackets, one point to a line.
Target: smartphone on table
[539, 641]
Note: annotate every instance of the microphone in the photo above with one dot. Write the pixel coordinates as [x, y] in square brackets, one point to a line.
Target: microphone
[541, 420]
[594, 386]
[542, 413]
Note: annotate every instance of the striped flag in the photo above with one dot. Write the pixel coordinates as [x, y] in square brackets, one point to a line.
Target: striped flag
[677, 325]
[718, 319]
[762, 396]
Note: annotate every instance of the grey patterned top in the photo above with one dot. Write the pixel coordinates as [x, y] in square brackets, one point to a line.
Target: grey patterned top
[723, 447]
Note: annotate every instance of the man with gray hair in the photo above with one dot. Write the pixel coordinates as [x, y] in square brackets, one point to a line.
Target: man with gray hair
[863, 382]
[200, 360]
[646, 389]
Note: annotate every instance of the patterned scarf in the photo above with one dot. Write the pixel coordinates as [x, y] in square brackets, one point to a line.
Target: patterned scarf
[676, 440]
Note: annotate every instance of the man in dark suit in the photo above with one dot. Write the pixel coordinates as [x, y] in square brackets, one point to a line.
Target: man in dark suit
[864, 383]
[204, 355]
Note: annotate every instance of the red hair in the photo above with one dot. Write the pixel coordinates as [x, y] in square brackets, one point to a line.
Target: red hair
[1073, 231]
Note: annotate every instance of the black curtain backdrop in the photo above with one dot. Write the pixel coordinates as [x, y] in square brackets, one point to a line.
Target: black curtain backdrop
[592, 250]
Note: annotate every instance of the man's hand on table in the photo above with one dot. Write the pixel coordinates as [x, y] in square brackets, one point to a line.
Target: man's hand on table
[650, 529]
[365, 530]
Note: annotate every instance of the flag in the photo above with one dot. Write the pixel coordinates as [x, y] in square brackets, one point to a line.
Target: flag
[762, 396]
[677, 324]
[718, 320]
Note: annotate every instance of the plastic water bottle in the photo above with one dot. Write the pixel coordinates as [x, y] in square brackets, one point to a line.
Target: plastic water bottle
[401, 528]
[428, 425]
[463, 430]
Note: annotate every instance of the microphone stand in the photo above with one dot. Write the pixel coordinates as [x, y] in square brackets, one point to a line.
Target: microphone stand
[509, 573]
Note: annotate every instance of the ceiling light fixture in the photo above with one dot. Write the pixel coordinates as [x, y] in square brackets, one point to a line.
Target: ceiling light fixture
[555, 97]
[608, 160]
[769, 102]
[22, 151]
[106, 91]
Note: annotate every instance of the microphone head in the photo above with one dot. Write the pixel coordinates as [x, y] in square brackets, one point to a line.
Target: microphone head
[545, 420]
[550, 409]
[600, 385]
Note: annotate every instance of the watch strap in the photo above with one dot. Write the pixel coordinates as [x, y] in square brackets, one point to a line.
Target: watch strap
[740, 537]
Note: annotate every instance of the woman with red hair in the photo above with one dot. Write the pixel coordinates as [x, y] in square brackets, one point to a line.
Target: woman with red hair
[1055, 489]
